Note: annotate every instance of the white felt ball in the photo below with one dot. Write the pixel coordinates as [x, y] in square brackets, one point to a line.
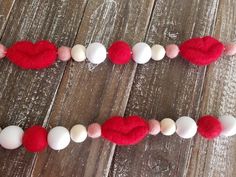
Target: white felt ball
[142, 53]
[58, 138]
[78, 133]
[167, 126]
[186, 127]
[229, 125]
[158, 52]
[96, 53]
[78, 53]
[11, 137]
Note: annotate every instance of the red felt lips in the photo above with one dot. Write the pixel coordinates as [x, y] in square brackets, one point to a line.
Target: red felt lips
[125, 131]
[28, 55]
[201, 51]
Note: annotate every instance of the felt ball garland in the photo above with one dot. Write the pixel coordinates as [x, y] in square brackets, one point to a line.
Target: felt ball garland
[119, 130]
[200, 51]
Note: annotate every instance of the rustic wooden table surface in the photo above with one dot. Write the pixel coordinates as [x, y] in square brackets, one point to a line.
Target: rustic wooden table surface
[70, 93]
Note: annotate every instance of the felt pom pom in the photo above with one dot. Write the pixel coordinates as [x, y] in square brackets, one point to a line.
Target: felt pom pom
[172, 51]
[78, 53]
[28, 55]
[35, 139]
[228, 123]
[168, 126]
[94, 130]
[78, 133]
[58, 138]
[11, 137]
[158, 52]
[201, 51]
[154, 127]
[64, 53]
[119, 52]
[142, 53]
[230, 49]
[186, 127]
[125, 131]
[96, 53]
[3, 51]
[209, 127]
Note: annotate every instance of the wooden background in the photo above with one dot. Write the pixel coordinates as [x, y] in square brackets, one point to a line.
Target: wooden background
[70, 93]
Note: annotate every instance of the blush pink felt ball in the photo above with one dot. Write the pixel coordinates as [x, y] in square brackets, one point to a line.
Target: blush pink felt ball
[64, 53]
[3, 51]
[154, 127]
[94, 130]
[230, 49]
[172, 51]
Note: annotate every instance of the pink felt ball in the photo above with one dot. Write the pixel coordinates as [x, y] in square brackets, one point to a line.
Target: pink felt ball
[230, 49]
[94, 130]
[64, 53]
[172, 51]
[154, 127]
[3, 51]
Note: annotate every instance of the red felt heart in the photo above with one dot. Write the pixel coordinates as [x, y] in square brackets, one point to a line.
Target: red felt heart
[201, 51]
[125, 131]
[28, 55]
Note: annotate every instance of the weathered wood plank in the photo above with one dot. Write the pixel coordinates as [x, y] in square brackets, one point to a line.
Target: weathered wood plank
[170, 88]
[88, 93]
[217, 158]
[5, 9]
[26, 96]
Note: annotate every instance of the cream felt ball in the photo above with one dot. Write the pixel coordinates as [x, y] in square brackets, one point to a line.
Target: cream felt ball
[158, 52]
[167, 126]
[186, 127]
[228, 123]
[58, 138]
[78, 133]
[96, 53]
[78, 53]
[142, 53]
[11, 137]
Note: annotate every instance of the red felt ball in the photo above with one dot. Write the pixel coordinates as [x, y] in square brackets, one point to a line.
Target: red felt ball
[119, 52]
[28, 55]
[201, 51]
[35, 139]
[209, 127]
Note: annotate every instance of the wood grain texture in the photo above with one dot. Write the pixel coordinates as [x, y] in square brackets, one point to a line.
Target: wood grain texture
[170, 88]
[26, 96]
[66, 94]
[91, 94]
[5, 10]
[217, 158]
